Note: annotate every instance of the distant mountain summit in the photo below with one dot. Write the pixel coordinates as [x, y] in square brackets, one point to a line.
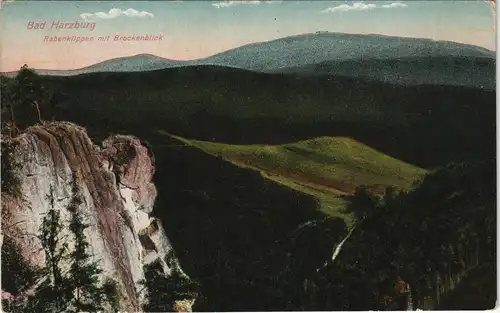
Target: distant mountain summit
[336, 54]
[136, 63]
[315, 48]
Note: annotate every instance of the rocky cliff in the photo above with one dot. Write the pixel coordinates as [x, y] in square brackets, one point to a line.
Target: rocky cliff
[114, 180]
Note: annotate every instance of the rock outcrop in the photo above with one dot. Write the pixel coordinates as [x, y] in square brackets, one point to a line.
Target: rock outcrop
[115, 184]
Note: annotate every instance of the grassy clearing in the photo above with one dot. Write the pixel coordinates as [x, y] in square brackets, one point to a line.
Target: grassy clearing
[325, 167]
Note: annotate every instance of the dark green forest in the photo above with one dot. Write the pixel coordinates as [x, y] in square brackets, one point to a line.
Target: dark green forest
[427, 237]
[427, 125]
[253, 244]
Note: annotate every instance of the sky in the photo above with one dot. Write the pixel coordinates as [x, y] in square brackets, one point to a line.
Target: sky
[197, 29]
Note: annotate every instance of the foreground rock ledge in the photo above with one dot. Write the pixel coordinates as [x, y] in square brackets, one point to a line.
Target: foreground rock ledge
[115, 181]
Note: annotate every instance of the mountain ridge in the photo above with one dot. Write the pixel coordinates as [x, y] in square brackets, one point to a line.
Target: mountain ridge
[298, 50]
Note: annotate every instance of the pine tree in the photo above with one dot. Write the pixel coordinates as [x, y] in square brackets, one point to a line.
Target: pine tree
[77, 290]
[83, 274]
[52, 294]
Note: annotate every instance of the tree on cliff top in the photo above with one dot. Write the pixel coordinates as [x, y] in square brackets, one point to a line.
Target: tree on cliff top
[29, 90]
[25, 90]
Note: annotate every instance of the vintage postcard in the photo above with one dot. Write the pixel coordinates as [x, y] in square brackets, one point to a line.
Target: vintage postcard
[180, 156]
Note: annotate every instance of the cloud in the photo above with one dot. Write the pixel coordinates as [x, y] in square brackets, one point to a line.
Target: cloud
[358, 6]
[226, 4]
[114, 13]
[394, 5]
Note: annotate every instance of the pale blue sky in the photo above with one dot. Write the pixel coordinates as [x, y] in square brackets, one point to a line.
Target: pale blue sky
[194, 29]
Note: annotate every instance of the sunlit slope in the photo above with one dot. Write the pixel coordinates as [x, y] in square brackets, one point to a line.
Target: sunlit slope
[325, 167]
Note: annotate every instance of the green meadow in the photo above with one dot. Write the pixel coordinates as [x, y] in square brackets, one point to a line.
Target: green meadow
[327, 168]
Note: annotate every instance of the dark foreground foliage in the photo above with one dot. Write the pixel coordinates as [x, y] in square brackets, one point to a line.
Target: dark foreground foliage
[443, 228]
[163, 291]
